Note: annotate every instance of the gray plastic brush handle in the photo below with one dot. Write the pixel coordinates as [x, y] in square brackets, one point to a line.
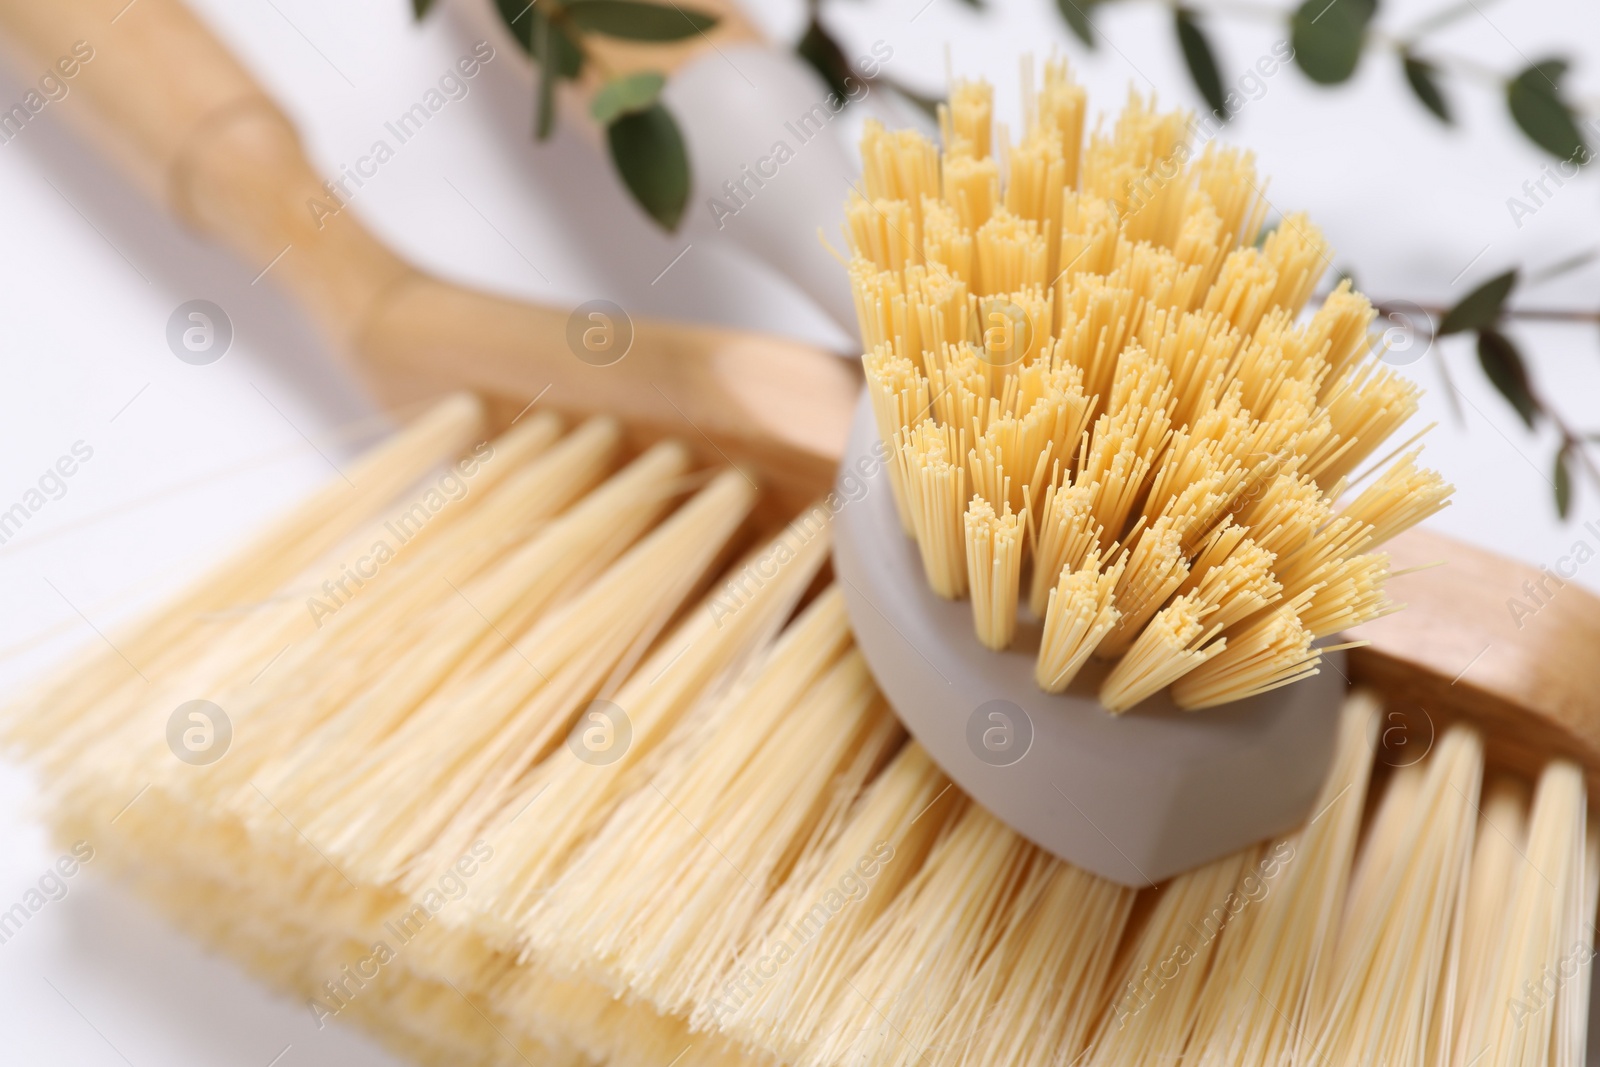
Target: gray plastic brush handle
[737, 104]
[1134, 798]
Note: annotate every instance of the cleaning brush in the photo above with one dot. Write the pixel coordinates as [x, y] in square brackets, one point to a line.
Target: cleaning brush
[1111, 423]
[698, 892]
[1115, 384]
[422, 824]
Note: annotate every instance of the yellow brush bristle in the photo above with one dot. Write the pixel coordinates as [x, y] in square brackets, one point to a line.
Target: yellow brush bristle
[412, 831]
[1100, 349]
[769, 872]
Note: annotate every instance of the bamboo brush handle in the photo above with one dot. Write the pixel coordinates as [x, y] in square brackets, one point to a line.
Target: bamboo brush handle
[191, 126]
[180, 114]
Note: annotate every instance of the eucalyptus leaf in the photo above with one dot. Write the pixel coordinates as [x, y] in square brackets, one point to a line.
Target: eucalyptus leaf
[626, 95]
[1076, 14]
[1502, 365]
[637, 20]
[1201, 60]
[649, 153]
[818, 48]
[1534, 97]
[569, 57]
[1563, 483]
[518, 17]
[1481, 307]
[544, 54]
[1327, 37]
[1423, 77]
[523, 19]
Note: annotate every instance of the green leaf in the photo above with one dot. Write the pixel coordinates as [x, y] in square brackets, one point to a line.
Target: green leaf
[626, 95]
[569, 58]
[1480, 307]
[419, 8]
[518, 17]
[1423, 77]
[1327, 37]
[1534, 97]
[1201, 60]
[523, 18]
[818, 48]
[1563, 481]
[1503, 366]
[544, 53]
[648, 150]
[636, 20]
[1076, 12]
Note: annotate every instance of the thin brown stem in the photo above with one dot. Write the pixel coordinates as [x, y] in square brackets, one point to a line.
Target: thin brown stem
[1575, 315]
[1405, 43]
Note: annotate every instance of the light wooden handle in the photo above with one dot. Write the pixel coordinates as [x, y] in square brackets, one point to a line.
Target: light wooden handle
[1528, 676]
[191, 125]
[169, 102]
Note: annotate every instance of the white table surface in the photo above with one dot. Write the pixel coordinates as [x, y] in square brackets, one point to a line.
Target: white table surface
[187, 460]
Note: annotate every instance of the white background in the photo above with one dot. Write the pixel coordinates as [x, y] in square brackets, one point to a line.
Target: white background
[188, 459]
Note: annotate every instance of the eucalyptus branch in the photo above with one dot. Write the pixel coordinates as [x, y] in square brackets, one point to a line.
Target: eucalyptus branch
[1438, 311]
[1484, 311]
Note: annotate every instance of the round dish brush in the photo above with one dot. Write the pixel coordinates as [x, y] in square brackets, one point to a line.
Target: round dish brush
[1099, 410]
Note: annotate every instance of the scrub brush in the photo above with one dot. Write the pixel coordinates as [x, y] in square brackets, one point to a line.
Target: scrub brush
[877, 912]
[1103, 413]
[647, 873]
